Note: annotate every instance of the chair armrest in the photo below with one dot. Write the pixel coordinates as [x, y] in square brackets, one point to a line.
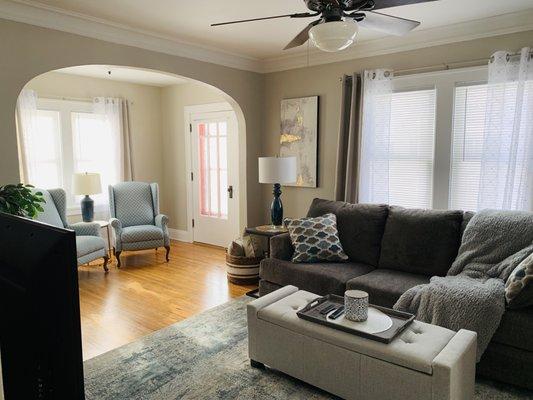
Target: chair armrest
[161, 221]
[85, 228]
[281, 247]
[117, 226]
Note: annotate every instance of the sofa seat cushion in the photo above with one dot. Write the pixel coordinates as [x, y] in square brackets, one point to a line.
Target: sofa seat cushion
[88, 244]
[141, 233]
[415, 348]
[421, 241]
[360, 227]
[516, 329]
[385, 286]
[320, 278]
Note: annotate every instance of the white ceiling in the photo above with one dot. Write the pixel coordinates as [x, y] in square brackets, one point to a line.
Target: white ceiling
[189, 20]
[125, 74]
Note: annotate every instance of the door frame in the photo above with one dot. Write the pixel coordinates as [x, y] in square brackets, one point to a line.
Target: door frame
[189, 112]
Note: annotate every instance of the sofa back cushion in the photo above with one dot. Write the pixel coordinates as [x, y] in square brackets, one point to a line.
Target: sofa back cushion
[360, 227]
[421, 241]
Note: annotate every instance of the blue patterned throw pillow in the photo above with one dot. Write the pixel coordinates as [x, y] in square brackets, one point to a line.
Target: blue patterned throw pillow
[315, 239]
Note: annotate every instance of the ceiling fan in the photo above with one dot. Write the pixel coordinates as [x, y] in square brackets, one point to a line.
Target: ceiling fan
[339, 21]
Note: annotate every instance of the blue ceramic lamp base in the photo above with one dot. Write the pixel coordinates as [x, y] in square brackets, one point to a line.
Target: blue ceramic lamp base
[87, 209]
[276, 208]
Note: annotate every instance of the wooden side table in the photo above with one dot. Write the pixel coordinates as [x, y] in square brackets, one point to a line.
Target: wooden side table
[105, 224]
[266, 231]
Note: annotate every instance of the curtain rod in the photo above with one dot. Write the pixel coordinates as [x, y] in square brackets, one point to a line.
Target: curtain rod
[80, 99]
[445, 66]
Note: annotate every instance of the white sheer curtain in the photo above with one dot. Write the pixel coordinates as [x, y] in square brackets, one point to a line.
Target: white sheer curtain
[375, 137]
[506, 179]
[116, 118]
[27, 129]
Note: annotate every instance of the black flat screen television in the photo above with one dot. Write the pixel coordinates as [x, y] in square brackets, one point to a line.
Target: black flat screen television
[40, 331]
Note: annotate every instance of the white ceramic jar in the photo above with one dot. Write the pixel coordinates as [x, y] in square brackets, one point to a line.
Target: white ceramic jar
[356, 305]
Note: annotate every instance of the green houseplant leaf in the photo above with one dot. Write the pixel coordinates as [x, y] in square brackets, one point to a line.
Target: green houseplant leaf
[21, 200]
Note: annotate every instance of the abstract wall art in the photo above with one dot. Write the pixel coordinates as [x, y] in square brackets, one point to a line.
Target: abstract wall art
[299, 137]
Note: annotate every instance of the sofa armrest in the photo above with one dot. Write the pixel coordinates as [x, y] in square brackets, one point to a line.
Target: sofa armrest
[85, 228]
[281, 247]
[454, 368]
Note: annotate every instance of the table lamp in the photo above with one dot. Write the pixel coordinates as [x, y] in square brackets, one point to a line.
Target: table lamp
[86, 183]
[277, 170]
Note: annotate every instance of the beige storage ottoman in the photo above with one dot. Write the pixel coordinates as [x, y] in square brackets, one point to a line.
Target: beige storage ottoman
[424, 362]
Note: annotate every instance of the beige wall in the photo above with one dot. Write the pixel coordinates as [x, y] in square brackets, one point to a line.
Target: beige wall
[174, 99]
[147, 145]
[324, 81]
[29, 51]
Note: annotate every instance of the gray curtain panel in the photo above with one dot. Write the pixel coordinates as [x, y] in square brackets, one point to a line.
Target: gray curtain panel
[347, 172]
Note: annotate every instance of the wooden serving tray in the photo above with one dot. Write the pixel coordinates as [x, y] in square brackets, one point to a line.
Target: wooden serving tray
[400, 319]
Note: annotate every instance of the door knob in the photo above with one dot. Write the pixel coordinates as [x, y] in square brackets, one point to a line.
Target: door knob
[230, 192]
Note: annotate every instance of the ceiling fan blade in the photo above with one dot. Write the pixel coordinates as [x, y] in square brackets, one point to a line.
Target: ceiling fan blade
[387, 23]
[379, 4]
[302, 37]
[297, 15]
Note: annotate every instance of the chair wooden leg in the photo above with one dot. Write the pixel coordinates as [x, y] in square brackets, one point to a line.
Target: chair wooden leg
[117, 256]
[106, 260]
[168, 252]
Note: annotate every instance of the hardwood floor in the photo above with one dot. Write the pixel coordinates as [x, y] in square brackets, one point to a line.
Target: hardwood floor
[147, 294]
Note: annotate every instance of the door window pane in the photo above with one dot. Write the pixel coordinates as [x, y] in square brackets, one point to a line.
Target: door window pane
[212, 160]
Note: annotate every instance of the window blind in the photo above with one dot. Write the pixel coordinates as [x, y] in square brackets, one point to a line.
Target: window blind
[467, 146]
[412, 141]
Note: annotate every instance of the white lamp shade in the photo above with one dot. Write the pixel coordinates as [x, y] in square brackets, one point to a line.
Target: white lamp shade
[277, 169]
[334, 36]
[86, 183]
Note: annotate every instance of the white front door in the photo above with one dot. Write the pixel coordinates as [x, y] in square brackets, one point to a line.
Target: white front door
[214, 150]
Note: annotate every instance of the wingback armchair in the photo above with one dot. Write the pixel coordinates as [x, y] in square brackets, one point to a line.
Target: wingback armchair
[135, 217]
[90, 245]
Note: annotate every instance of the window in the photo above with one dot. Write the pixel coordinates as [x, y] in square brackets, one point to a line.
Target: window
[44, 150]
[68, 137]
[412, 133]
[467, 145]
[433, 154]
[470, 116]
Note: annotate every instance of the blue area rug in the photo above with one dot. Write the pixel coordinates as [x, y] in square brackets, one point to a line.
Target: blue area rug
[206, 357]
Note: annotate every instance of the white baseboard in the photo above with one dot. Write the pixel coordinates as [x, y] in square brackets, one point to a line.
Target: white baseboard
[178, 234]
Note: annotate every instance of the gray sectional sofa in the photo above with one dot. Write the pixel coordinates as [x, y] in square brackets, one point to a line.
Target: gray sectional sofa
[390, 250]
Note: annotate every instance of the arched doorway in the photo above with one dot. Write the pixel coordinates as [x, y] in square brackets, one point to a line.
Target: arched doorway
[160, 143]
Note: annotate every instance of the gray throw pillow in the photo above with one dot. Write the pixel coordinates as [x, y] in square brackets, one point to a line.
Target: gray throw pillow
[519, 285]
[315, 239]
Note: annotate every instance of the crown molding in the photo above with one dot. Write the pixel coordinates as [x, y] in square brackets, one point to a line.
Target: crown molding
[35, 13]
[460, 32]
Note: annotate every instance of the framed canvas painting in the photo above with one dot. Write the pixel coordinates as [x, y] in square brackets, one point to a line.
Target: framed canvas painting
[299, 137]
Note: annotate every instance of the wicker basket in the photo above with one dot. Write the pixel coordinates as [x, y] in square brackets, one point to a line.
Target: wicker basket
[242, 270]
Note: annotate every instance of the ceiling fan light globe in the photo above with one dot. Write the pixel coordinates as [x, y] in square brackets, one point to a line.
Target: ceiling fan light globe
[334, 36]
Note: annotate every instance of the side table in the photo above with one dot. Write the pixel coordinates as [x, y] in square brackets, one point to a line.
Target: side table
[266, 231]
[105, 224]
